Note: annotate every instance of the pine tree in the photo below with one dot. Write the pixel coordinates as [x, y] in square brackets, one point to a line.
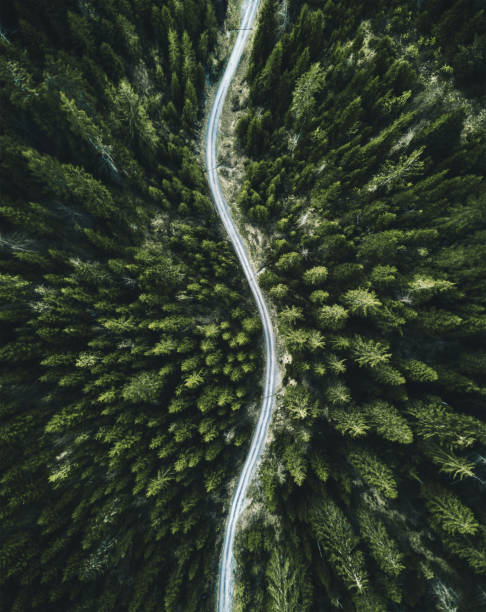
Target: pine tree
[315, 276]
[264, 37]
[286, 583]
[337, 538]
[383, 548]
[307, 87]
[374, 471]
[369, 353]
[332, 317]
[352, 422]
[388, 422]
[449, 514]
[361, 301]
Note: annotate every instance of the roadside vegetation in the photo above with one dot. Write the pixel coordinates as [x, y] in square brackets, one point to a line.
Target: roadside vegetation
[365, 129]
[130, 351]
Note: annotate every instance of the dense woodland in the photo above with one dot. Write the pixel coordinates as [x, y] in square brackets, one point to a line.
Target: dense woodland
[130, 354]
[365, 129]
[130, 348]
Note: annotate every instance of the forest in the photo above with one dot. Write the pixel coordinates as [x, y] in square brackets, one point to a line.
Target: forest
[364, 131]
[130, 347]
[131, 350]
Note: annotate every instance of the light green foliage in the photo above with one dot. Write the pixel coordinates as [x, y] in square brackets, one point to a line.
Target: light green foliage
[383, 275]
[319, 296]
[424, 287]
[450, 514]
[213, 480]
[315, 341]
[307, 87]
[290, 315]
[84, 128]
[286, 583]
[315, 276]
[320, 467]
[332, 317]
[143, 387]
[71, 182]
[296, 339]
[437, 421]
[383, 548]
[279, 291]
[160, 482]
[387, 375]
[130, 37]
[450, 463]
[388, 422]
[418, 371]
[368, 602]
[396, 174]
[288, 262]
[374, 472]
[473, 551]
[299, 402]
[133, 111]
[337, 538]
[361, 301]
[352, 422]
[369, 353]
[338, 393]
[296, 463]
[336, 365]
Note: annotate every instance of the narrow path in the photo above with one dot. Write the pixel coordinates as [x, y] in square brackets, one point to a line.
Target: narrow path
[226, 567]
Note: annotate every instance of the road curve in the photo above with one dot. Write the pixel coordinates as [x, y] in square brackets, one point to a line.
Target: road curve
[225, 578]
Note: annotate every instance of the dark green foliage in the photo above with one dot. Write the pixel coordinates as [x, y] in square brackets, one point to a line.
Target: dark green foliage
[129, 348]
[129, 342]
[265, 36]
[370, 190]
[459, 29]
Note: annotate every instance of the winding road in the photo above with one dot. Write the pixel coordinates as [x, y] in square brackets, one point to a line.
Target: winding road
[226, 567]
